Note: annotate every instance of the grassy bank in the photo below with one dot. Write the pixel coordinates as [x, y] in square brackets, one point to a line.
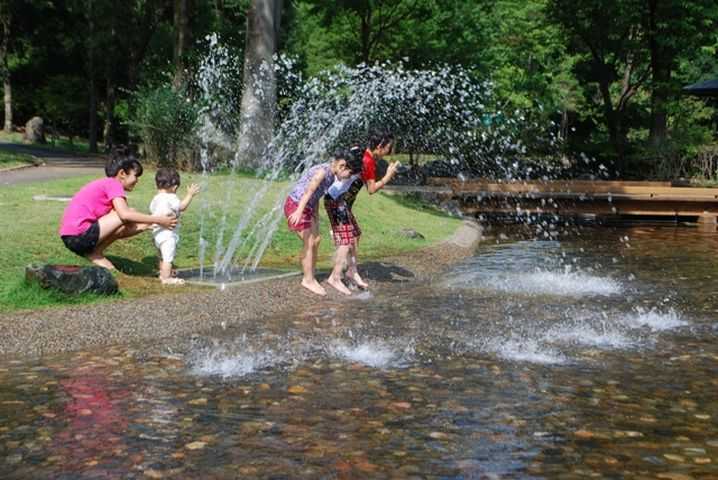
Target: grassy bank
[28, 233]
[13, 160]
[59, 143]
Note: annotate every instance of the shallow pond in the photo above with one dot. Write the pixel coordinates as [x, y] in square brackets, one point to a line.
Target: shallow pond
[595, 355]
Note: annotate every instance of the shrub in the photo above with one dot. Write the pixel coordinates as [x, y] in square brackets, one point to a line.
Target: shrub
[165, 120]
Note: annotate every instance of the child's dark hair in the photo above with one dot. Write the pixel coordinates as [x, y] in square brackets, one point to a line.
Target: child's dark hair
[353, 159]
[380, 140]
[123, 159]
[167, 177]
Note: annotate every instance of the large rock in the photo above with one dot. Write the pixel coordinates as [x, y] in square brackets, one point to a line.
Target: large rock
[72, 279]
[34, 131]
[411, 233]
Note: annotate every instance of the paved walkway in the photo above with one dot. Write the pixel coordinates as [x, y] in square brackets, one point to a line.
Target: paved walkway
[56, 165]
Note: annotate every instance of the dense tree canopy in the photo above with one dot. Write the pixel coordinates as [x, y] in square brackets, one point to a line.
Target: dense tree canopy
[607, 73]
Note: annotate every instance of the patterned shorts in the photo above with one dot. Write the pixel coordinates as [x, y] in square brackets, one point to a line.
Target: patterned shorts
[345, 229]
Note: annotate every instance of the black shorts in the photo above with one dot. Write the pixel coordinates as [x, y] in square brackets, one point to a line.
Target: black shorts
[85, 242]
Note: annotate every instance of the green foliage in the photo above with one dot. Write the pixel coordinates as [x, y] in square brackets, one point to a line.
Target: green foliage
[62, 112]
[608, 72]
[165, 120]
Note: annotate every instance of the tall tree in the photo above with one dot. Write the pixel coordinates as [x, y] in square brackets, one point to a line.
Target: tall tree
[259, 95]
[373, 23]
[5, 22]
[673, 28]
[183, 39]
[610, 34]
[141, 21]
[91, 75]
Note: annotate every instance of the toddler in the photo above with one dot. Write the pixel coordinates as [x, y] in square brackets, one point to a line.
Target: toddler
[167, 203]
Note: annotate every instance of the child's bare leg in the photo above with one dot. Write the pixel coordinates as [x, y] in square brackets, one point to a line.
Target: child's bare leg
[315, 245]
[167, 255]
[335, 279]
[165, 270]
[307, 259]
[352, 271]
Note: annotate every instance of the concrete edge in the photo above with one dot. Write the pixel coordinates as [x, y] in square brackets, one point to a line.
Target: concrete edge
[467, 236]
[36, 162]
[237, 283]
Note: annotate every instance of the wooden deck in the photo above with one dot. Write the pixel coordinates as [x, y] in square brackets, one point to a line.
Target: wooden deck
[577, 197]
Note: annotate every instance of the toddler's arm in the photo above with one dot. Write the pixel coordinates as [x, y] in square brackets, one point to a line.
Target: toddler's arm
[192, 190]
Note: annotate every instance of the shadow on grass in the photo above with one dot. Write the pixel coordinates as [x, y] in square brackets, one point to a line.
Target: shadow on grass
[146, 268]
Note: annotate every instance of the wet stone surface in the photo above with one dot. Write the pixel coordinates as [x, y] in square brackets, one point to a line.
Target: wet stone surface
[521, 369]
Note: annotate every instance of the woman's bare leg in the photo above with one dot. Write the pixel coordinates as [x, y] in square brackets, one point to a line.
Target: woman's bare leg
[113, 228]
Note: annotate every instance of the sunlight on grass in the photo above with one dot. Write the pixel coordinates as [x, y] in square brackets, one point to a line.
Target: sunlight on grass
[28, 231]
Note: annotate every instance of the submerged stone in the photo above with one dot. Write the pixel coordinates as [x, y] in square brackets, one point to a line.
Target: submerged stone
[72, 279]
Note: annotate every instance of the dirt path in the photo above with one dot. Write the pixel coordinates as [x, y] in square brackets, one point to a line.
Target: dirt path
[55, 165]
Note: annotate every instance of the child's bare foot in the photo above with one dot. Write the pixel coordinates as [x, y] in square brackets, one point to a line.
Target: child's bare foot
[172, 281]
[338, 285]
[101, 261]
[358, 280]
[313, 286]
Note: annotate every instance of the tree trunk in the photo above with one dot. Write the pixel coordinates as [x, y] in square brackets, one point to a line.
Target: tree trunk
[182, 41]
[661, 76]
[8, 104]
[5, 21]
[108, 133]
[365, 36]
[613, 122]
[92, 120]
[259, 96]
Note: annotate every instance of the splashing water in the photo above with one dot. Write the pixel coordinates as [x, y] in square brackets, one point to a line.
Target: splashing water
[654, 319]
[226, 364]
[571, 284]
[377, 354]
[523, 350]
[444, 112]
[530, 268]
[581, 333]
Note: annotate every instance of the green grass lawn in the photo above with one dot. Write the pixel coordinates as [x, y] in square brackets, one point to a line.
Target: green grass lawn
[28, 233]
[64, 144]
[12, 160]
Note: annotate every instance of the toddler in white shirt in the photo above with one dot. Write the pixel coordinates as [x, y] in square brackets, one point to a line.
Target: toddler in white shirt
[167, 203]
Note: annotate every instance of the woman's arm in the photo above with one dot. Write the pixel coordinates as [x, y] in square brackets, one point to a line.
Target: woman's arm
[311, 188]
[374, 186]
[126, 214]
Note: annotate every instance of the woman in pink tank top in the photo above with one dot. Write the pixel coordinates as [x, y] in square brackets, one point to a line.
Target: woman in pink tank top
[98, 214]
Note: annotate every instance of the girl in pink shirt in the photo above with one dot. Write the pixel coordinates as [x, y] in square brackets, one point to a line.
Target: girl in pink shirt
[98, 214]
